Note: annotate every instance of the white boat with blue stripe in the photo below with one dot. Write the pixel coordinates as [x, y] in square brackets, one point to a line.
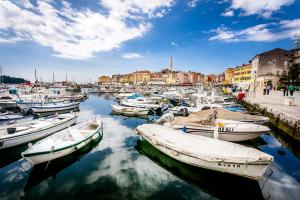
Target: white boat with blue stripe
[23, 133]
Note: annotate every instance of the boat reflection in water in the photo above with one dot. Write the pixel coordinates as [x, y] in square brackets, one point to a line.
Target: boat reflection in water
[11, 155]
[221, 185]
[42, 171]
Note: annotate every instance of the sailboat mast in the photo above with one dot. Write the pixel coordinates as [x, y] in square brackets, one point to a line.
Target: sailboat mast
[1, 81]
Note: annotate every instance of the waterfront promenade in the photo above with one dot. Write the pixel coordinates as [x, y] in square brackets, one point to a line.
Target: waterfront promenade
[272, 104]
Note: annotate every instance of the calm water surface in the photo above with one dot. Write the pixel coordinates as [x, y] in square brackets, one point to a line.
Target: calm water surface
[121, 166]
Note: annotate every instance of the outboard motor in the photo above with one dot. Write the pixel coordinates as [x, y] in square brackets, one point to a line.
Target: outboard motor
[184, 112]
[169, 117]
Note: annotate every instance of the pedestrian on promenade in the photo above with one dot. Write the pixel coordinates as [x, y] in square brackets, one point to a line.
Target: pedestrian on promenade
[269, 87]
[265, 89]
[291, 88]
[284, 89]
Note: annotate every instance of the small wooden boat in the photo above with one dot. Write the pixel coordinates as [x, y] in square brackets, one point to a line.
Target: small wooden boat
[129, 111]
[206, 152]
[54, 107]
[64, 143]
[23, 133]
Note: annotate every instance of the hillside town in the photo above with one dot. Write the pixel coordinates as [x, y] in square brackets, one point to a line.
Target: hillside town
[270, 67]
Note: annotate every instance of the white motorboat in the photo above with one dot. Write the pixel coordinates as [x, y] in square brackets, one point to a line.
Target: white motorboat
[54, 107]
[130, 111]
[64, 143]
[228, 130]
[22, 133]
[206, 152]
[28, 104]
[123, 95]
[140, 103]
[8, 102]
[229, 115]
[200, 102]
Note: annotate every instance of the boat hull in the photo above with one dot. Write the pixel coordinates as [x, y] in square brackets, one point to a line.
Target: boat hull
[30, 137]
[251, 171]
[46, 157]
[8, 105]
[225, 135]
[130, 111]
[42, 109]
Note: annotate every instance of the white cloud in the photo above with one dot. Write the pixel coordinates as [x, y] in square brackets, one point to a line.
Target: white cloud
[193, 3]
[174, 44]
[78, 33]
[131, 55]
[284, 29]
[228, 13]
[264, 8]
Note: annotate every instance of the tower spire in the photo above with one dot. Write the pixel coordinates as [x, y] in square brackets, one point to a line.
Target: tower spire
[171, 64]
[35, 77]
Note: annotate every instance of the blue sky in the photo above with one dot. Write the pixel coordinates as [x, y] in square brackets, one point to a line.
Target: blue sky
[89, 38]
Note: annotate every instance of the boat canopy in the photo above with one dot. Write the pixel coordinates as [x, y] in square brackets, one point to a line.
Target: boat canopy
[135, 96]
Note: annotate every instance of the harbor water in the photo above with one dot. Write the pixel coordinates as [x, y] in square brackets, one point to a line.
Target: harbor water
[122, 166]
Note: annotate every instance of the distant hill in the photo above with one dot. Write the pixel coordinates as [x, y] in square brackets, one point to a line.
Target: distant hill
[12, 80]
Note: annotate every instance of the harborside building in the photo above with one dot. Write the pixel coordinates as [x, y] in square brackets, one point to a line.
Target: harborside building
[269, 67]
[229, 75]
[242, 76]
[104, 80]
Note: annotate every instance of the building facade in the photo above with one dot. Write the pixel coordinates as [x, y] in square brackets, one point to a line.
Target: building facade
[197, 77]
[156, 79]
[268, 67]
[140, 77]
[184, 78]
[242, 76]
[116, 78]
[104, 79]
[228, 75]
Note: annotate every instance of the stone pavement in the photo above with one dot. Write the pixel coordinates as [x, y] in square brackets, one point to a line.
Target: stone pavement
[273, 103]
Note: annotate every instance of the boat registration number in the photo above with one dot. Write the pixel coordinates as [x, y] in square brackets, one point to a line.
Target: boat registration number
[222, 164]
[225, 129]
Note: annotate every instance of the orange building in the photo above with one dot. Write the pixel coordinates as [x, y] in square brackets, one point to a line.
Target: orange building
[104, 79]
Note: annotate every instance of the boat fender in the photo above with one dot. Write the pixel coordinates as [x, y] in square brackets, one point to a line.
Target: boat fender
[80, 145]
[95, 137]
[30, 144]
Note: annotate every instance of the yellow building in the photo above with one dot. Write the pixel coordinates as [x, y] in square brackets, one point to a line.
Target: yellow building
[229, 75]
[140, 77]
[124, 78]
[104, 79]
[242, 75]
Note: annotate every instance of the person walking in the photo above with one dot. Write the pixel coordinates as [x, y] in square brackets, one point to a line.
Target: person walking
[284, 89]
[265, 89]
[291, 88]
[269, 87]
